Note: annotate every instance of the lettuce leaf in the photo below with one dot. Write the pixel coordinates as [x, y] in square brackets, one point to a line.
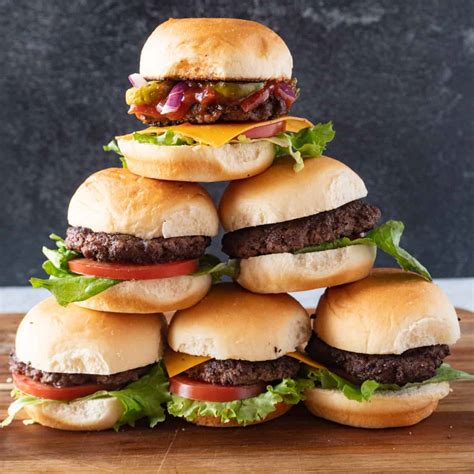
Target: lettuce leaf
[168, 138]
[210, 264]
[308, 142]
[140, 399]
[327, 380]
[113, 146]
[386, 238]
[65, 285]
[245, 411]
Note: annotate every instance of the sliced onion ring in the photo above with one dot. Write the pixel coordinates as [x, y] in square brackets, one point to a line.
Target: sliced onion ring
[286, 92]
[174, 99]
[137, 80]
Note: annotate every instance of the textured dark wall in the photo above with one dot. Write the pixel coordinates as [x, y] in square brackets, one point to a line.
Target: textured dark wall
[394, 76]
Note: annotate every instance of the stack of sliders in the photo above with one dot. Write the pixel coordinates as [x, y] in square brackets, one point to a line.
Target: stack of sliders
[217, 93]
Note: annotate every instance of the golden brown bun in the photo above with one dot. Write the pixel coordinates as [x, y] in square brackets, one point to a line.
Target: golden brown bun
[279, 194]
[214, 422]
[75, 340]
[151, 296]
[85, 415]
[197, 162]
[232, 323]
[384, 410]
[284, 272]
[215, 49]
[388, 312]
[114, 200]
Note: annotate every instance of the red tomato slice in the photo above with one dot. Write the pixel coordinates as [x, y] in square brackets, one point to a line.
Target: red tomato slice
[266, 131]
[41, 390]
[130, 271]
[196, 390]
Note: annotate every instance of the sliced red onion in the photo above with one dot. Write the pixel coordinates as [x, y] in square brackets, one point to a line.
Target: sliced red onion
[174, 99]
[137, 80]
[286, 92]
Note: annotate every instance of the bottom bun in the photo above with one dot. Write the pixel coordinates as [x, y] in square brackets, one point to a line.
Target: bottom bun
[84, 415]
[215, 422]
[151, 296]
[384, 410]
[198, 162]
[285, 272]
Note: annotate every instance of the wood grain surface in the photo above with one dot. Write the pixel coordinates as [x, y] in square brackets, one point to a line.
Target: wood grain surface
[297, 442]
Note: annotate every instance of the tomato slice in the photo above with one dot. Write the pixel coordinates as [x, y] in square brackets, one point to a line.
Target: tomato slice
[196, 390]
[265, 131]
[41, 390]
[131, 271]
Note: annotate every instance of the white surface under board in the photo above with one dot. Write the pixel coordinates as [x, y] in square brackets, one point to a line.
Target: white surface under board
[19, 299]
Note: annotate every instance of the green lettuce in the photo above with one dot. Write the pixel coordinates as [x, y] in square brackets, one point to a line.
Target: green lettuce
[325, 379]
[168, 138]
[67, 286]
[113, 146]
[210, 264]
[246, 411]
[308, 142]
[386, 238]
[140, 399]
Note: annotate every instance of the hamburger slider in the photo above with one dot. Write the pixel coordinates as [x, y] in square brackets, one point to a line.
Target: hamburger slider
[133, 245]
[234, 359]
[382, 341]
[78, 369]
[298, 231]
[218, 91]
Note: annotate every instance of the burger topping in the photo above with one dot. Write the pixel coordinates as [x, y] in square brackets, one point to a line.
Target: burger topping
[102, 247]
[60, 380]
[242, 372]
[165, 102]
[196, 390]
[349, 220]
[414, 365]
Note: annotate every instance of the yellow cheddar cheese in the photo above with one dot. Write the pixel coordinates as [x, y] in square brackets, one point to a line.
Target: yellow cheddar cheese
[219, 134]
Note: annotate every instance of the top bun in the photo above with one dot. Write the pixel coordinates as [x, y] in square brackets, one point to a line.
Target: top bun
[76, 340]
[279, 194]
[215, 49]
[232, 323]
[388, 312]
[114, 200]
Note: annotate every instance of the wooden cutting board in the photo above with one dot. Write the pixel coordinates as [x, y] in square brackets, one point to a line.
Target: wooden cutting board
[296, 442]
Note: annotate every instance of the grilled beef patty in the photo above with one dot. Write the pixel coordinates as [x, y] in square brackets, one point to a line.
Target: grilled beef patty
[242, 372]
[105, 247]
[349, 220]
[60, 380]
[413, 365]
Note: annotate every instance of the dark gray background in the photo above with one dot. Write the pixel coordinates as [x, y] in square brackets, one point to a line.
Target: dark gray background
[396, 78]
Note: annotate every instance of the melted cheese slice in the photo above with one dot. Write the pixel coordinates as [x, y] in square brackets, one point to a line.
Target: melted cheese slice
[305, 359]
[178, 362]
[219, 134]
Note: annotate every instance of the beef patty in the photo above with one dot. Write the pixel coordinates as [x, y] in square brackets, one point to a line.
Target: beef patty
[271, 108]
[350, 220]
[413, 365]
[60, 380]
[105, 247]
[242, 372]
